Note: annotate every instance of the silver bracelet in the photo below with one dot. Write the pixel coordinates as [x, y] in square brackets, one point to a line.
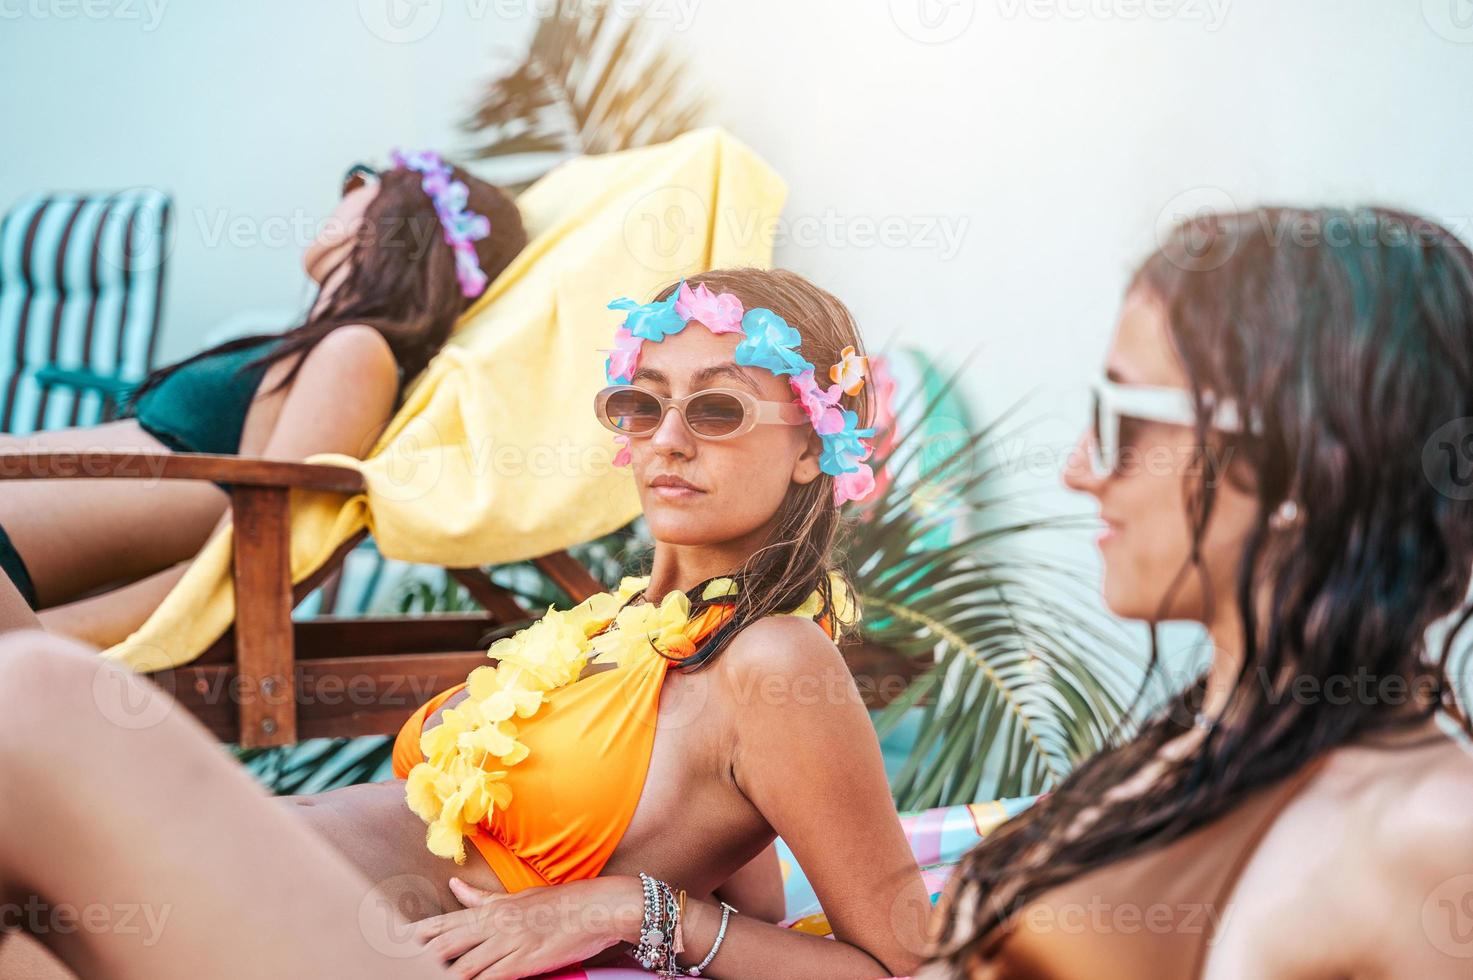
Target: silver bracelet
[726, 913]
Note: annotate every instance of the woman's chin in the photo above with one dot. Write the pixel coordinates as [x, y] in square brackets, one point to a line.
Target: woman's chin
[1126, 601]
[687, 526]
[684, 533]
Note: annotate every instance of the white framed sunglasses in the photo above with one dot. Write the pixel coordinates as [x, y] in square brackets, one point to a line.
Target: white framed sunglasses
[1114, 402]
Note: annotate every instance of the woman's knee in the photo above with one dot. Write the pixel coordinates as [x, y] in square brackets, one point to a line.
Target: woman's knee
[50, 685]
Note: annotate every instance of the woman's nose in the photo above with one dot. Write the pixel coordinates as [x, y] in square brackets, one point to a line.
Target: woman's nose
[1079, 472]
[672, 436]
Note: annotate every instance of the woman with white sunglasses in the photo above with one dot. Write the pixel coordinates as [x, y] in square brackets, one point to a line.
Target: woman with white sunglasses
[1279, 452]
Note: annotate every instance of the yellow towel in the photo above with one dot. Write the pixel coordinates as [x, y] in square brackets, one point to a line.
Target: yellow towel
[495, 455]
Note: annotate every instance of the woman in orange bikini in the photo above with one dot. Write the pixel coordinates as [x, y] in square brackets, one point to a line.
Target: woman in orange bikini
[622, 770]
[1281, 451]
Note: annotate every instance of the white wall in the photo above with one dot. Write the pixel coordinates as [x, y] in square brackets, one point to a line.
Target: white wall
[1048, 138]
[248, 114]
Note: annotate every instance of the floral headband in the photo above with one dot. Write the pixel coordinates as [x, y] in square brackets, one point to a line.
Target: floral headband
[767, 342]
[462, 228]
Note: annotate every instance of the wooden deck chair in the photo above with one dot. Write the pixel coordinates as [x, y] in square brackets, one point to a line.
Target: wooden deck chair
[81, 278]
[520, 375]
[271, 680]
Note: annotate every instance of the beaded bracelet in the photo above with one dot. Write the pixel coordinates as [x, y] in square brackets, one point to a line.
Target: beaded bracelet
[659, 931]
[726, 913]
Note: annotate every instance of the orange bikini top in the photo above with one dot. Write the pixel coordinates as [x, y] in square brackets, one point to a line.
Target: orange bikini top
[575, 793]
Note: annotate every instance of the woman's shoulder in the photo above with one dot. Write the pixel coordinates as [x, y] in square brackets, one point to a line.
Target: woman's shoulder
[783, 645]
[1424, 809]
[356, 345]
[1413, 846]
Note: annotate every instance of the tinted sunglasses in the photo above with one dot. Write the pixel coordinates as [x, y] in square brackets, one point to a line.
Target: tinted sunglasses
[1115, 406]
[358, 175]
[714, 413]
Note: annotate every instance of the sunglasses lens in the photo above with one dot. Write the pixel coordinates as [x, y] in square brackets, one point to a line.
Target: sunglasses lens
[715, 414]
[1100, 450]
[633, 411]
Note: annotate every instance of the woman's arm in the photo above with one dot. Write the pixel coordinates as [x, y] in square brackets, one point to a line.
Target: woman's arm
[757, 888]
[339, 402]
[806, 755]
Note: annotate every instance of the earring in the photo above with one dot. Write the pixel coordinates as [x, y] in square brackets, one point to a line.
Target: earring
[1285, 517]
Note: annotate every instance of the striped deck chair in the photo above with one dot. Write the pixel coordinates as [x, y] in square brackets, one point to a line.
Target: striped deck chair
[81, 277]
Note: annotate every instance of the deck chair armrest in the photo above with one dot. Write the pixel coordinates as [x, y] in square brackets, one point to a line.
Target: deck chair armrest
[86, 380]
[260, 513]
[239, 471]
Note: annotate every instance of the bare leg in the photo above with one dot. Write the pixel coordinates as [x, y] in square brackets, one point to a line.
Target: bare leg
[109, 618]
[79, 535]
[15, 613]
[175, 863]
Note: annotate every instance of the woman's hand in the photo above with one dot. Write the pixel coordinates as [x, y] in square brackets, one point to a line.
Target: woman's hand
[503, 937]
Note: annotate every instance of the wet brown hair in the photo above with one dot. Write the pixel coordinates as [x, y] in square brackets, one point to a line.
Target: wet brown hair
[798, 560]
[398, 277]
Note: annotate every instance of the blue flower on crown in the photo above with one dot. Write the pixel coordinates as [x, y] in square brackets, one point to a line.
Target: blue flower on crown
[651, 321]
[843, 451]
[770, 343]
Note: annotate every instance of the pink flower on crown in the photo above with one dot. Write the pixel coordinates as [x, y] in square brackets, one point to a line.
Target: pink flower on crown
[719, 313]
[624, 357]
[822, 406]
[854, 486]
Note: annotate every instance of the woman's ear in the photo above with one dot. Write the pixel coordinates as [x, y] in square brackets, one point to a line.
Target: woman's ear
[806, 468]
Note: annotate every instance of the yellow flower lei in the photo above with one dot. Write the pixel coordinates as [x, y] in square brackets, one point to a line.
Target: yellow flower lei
[467, 754]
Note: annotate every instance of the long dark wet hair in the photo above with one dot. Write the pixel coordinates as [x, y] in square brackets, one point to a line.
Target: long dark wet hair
[1348, 335]
[800, 557]
[398, 277]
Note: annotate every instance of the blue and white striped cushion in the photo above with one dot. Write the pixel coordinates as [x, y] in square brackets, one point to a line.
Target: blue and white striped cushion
[80, 284]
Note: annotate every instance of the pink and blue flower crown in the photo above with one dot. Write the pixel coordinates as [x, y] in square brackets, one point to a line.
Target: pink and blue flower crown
[462, 228]
[767, 342]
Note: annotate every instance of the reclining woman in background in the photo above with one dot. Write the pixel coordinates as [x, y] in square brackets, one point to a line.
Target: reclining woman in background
[1276, 455]
[664, 733]
[403, 255]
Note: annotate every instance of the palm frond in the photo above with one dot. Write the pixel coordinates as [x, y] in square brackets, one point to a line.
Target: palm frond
[1020, 676]
[593, 80]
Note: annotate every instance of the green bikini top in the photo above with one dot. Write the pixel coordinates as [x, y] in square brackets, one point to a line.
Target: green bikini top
[201, 407]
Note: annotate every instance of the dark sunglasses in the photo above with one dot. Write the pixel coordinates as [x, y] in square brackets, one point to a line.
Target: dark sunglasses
[715, 413]
[358, 175]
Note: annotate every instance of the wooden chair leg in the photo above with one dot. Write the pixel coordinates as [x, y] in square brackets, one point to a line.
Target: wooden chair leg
[265, 659]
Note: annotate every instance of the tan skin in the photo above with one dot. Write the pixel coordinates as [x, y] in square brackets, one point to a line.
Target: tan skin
[1378, 837]
[97, 551]
[772, 739]
[132, 847]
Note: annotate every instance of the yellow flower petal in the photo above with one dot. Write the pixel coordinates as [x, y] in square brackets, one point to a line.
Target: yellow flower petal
[719, 588]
